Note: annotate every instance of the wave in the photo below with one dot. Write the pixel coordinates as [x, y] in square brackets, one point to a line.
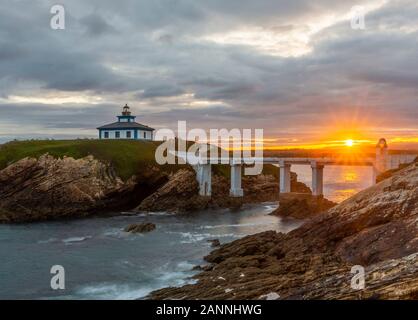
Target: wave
[185, 266]
[75, 239]
[66, 241]
[50, 240]
[117, 233]
[158, 213]
[236, 225]
[193, 237]
[113, 291]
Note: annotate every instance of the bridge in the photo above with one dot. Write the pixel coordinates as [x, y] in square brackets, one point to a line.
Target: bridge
[381, 163]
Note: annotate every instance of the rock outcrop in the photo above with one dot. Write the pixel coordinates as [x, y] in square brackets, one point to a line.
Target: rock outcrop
[49, 188]
[140, 227]
[302, 205]
[214, 242]
[376, 229]
[180, 193]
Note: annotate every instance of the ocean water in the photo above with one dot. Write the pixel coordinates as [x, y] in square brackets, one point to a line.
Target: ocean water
[101, 261]
[340, 182]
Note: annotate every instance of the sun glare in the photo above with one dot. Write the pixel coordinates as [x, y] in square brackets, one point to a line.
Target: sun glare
[349, 142]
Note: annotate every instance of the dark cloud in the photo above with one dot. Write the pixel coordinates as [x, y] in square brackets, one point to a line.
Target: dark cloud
[157, 56]
[161, 91]
[58, 116]
[96, 25]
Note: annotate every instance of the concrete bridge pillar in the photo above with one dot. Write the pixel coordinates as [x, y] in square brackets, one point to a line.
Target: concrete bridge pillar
[204, 178]
[236, 189]
[317, 178]
[284, 177]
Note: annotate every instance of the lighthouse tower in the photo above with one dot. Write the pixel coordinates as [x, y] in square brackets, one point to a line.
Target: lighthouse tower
[381, 162]
[126, 115]
[126, 128]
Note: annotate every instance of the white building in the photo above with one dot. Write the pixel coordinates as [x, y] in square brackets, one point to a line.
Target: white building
[126, 128]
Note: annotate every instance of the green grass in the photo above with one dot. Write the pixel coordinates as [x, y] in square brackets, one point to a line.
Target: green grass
[128, 157]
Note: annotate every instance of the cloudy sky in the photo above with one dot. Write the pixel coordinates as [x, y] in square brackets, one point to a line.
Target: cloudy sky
[294, 68]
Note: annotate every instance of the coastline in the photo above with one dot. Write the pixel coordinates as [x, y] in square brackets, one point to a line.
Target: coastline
[52, 188]
[371, 229]
[131, 265]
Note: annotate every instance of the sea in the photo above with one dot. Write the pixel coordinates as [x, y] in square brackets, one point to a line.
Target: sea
[101, 261]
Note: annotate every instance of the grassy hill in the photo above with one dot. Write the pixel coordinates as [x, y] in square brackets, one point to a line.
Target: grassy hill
[128, 157]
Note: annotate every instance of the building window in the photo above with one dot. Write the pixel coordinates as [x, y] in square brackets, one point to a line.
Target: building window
[117, 134]
[128, 134]
[145, 135]
[106, 135]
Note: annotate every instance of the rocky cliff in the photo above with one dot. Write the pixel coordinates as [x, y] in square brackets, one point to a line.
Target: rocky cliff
[376, 229]
[302, 205]
[180, 193]
[34, 189]
[49, 188]
[44, 188]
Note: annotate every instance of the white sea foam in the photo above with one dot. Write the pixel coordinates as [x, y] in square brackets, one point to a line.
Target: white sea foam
[75, 239]
[185, 266]
[129, 213]
[270, 208]
[158, 213]
[50, 240]
[117, 233]
[193, 237]
[113, 291]
[129, 292]
[236, 225]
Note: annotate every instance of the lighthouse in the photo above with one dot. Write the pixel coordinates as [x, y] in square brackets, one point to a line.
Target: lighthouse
[381, 162]
[126, 128]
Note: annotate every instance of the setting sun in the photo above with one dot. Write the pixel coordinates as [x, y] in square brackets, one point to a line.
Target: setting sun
[349, 142]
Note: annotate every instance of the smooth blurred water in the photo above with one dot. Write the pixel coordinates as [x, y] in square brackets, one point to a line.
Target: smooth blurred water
[340, 182]
[102, 261]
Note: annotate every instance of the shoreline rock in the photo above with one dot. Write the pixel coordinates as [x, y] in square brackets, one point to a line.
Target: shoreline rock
[180, 193]
[48, 188]
[302, 206]
[214, 242]
[140, 227]
[376, 229]
[51, 188]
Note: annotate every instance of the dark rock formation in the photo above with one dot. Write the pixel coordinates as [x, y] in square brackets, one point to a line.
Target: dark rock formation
[48, 188]
[180, 193]
[376, 228]
[214, 242]
[140, 227]
[302, 206]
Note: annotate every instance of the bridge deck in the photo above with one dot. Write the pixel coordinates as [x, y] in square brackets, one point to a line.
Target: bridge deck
[277, 160]
[287, 160]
